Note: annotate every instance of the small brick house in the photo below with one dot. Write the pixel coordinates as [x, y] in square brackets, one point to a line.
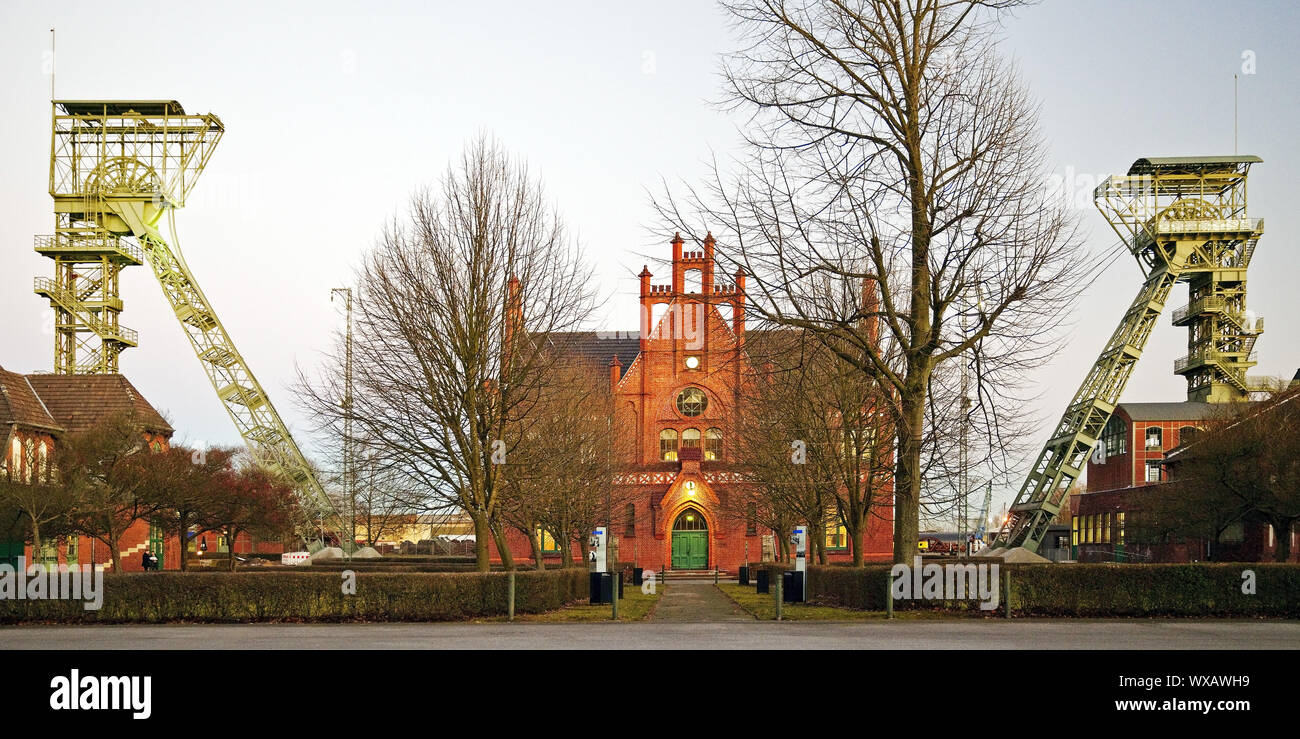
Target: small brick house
[37, 410]
[677, 383]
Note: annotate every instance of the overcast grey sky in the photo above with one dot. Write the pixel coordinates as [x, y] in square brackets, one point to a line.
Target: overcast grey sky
[336, 111]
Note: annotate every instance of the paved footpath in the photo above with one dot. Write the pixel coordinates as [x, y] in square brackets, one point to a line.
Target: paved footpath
[696, 602]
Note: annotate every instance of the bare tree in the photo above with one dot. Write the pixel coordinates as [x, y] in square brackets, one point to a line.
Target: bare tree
[889, 141]
[842, 468]
[451, 312]
[41, 500]
[112, 478]
[560, 477]
[1244, 466]
[382, 505]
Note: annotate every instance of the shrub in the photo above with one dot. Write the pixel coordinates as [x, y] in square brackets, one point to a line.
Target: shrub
[306, 596]
[1095, 590]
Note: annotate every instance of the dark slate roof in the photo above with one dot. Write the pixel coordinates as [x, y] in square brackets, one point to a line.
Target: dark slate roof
[78, 402]
[1184, 411]
[600, 347]
[20, 405]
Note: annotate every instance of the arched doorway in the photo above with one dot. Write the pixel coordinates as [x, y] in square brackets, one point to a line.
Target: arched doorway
[690, 541]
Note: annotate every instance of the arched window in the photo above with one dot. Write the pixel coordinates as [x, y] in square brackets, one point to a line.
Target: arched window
[668, 445]
[42, 461]
[1186, 434]
[713, 444]
[691, 439]
[547, 542]
[690, 520]
[1115, 436]
[657, 313]
[15, 458]
[629, 520]
[30, 448]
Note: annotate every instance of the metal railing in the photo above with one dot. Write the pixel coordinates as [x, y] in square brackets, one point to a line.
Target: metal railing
[64, 242]
[70, 302]
[1207, 357]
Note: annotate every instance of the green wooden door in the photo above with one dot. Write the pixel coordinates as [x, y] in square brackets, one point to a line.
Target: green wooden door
[690, 550]
[156, 541]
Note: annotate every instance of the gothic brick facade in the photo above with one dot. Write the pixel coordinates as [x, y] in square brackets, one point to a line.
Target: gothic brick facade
[677, 384]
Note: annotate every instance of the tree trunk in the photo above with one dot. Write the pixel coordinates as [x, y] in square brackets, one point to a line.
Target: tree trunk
[503, 547]
[907, 493]
[36, 540]
[817, 544]
[856, 535]
[482, 533]
[535, 543]
[115, 556]
[184, 544]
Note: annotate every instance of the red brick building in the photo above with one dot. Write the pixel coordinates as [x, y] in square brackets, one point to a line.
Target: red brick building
[677, 384]
[36, 411]
[1137, 441]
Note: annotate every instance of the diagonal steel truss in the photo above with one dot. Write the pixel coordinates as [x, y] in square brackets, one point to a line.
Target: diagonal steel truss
[1184, 220]
[116, 168]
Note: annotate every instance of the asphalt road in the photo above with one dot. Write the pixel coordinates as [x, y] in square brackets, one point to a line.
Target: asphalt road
[985, 634]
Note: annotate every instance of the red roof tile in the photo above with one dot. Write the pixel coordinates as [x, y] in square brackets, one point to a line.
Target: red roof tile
[79, 402]
[20, 405]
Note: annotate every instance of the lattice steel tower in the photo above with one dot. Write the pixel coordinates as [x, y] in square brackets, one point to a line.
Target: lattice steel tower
[1191, 213]
[116, 168]
[1184, 219]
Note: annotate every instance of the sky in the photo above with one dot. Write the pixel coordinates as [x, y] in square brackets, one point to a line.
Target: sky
[336, 112]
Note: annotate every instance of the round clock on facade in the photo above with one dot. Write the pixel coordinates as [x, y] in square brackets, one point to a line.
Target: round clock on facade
[692, 363]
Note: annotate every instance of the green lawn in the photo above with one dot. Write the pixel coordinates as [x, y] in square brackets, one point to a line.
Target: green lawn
[762, 607]
[634, 606]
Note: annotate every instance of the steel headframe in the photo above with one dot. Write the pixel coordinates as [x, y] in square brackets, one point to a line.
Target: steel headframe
[1183, 219]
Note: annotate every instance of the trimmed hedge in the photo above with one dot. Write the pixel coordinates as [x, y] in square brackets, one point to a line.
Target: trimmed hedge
[160, 597]
[1094, 590]
[388, 565]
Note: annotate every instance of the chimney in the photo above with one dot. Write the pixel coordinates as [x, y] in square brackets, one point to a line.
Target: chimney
[514, 314]
[738, 310]
[707, 286]
[679, 277]
[615, 372]
[871, 310]
[646, 328]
